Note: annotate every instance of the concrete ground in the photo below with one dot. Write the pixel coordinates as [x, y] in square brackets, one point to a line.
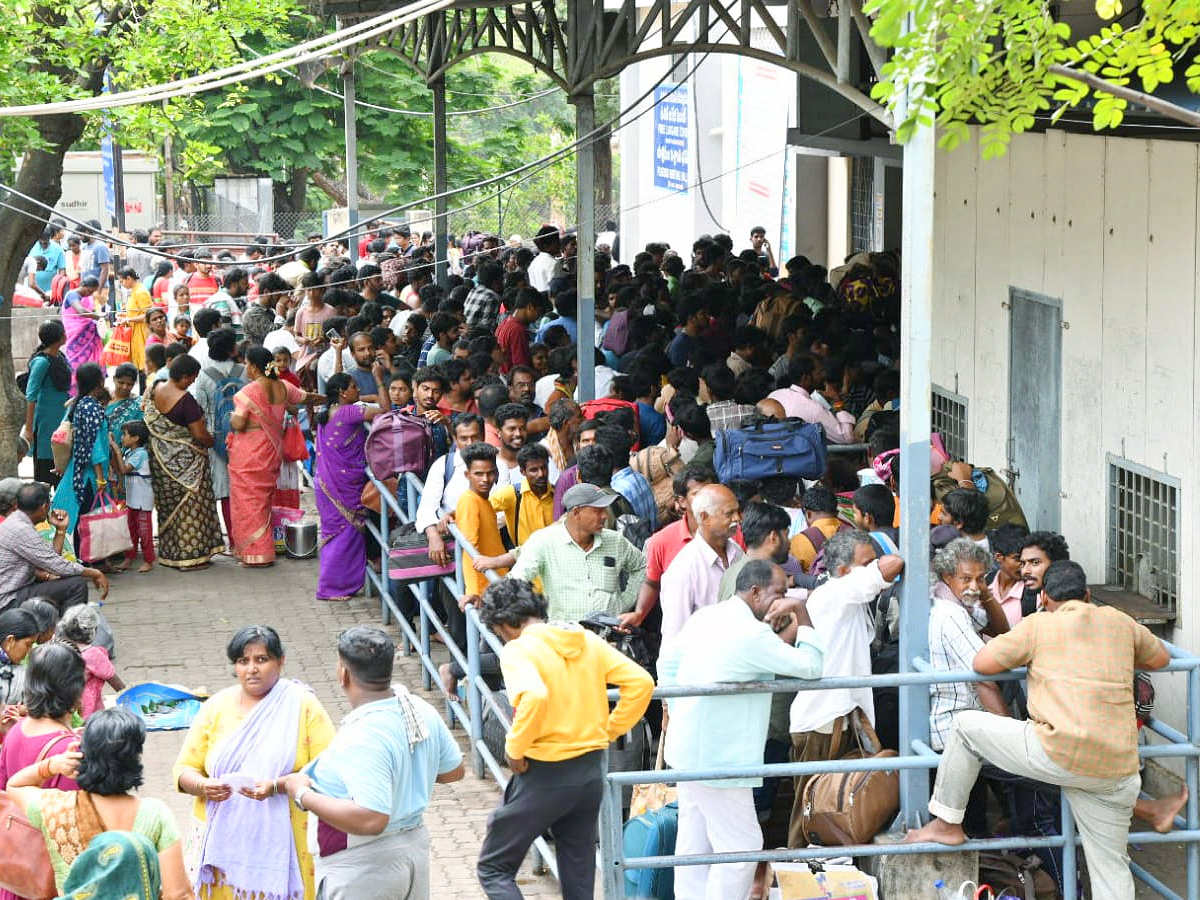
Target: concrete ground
[172, 627]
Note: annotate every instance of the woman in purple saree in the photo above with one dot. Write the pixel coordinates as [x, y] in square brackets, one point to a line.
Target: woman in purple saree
[341, 477]
[80, 312]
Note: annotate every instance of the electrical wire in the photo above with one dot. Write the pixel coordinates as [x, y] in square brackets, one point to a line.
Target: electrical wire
[604, 130]
[244, 71]
[429, 115]
[536, 165]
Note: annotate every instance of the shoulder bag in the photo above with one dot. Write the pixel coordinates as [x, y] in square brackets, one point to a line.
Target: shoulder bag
[25, 868]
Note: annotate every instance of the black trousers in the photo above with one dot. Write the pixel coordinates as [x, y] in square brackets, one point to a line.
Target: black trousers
[560, 797]
[62, 593]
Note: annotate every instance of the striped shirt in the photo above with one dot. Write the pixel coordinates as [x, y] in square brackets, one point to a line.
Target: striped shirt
[953, 643]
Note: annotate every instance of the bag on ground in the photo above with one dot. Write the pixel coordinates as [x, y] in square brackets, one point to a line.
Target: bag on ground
[1011, 875]
[792, 447]
[104, 531]
[651, 834]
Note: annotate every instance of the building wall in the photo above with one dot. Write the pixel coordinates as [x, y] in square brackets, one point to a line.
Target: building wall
[1109, 225]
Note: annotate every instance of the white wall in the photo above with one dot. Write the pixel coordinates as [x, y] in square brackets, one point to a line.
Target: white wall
[1109, 225]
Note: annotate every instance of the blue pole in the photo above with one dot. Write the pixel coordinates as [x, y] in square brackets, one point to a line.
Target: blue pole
[1192, 771]
[474, 697]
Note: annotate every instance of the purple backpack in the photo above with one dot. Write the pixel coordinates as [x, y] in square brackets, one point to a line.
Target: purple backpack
[399, 442]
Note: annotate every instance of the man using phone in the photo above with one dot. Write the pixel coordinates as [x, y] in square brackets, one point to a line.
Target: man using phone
[761, 246]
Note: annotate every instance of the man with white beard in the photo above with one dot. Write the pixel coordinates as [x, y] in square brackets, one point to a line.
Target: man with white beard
[962, 608]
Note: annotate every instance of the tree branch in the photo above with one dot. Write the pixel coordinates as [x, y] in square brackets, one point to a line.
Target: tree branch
[1096, 83]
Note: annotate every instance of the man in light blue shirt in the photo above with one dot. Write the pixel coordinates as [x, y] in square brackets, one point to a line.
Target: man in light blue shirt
[753, 636]
[369, 789]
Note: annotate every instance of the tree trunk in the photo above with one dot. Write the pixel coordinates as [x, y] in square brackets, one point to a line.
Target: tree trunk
[289, 197]
[40, 178]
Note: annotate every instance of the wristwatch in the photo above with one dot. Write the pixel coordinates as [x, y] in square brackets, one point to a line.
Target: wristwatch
[299, 798]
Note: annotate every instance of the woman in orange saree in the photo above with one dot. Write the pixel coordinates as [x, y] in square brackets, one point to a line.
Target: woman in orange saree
[255, 455]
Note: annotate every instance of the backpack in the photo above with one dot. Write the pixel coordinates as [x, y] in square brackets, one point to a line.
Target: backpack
[511, 535]
[616, 336]
[658, 466]
[400, 442]
[590, 408]
[770, 313]
[634, 529]
[1007, 873]
[1003, 506]
[792, 447]
[817, 538]
[227, 386]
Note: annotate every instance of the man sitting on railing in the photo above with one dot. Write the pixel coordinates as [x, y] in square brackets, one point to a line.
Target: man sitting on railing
[1081, 733]
[753, 636]
[557, 679]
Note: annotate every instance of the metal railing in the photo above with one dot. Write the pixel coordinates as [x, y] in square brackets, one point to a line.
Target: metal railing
[917, 756]
[428, 621]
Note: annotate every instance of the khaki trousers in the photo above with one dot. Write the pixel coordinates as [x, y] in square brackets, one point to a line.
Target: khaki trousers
[1101, 806]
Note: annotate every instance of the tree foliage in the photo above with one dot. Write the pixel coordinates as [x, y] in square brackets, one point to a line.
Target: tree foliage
[1003, 63]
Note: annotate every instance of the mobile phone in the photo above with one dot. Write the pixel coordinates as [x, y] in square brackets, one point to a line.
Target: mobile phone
[332, 333]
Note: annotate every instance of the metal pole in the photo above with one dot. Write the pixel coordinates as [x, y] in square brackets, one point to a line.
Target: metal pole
[1192, 773]
[474, 697]
[585, 208]
[1070, 867]
[915, 336]
[612, 856]
[119, 185]
[351, 147]
[440, 186]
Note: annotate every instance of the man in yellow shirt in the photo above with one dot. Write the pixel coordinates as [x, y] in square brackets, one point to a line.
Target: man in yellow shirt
[527, 503]
[474, 515]
[820, 509]
[556, 676]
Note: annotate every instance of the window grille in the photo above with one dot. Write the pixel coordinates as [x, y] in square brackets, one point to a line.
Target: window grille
[949, 418]
[1143, 531]
[862, 203]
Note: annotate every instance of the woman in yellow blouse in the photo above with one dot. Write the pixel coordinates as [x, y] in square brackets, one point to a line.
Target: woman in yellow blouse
[254, 842]
[136, 307]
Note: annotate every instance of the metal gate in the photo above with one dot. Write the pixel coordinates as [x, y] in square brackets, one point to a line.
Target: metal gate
[1035, 405]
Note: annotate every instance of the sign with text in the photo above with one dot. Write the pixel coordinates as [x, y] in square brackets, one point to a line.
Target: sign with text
[671, 137]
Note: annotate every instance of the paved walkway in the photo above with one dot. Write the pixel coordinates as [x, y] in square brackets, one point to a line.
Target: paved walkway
[173, 627]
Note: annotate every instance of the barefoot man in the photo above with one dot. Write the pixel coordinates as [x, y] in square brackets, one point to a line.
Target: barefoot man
[1081, 733]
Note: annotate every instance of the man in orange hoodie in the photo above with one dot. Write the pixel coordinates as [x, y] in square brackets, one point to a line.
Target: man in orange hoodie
[557, 677]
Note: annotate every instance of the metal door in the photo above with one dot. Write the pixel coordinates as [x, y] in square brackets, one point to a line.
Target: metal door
[1035, 405]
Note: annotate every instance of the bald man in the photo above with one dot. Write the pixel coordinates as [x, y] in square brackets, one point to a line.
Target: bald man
[694, 576]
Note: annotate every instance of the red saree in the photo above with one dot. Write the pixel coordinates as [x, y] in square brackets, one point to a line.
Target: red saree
[255, 456]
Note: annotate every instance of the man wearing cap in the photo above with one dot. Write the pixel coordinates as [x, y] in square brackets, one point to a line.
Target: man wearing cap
[583, 566]
[541, 270]
[8, 495]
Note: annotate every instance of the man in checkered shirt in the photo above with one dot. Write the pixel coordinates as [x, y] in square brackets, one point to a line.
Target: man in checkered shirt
[1081, 733]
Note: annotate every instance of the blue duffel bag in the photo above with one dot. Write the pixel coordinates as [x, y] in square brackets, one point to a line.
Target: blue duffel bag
[792, 447]
[651, 834]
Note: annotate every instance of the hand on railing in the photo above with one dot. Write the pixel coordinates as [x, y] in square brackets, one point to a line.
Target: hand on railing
[488, 563]
[468, 600]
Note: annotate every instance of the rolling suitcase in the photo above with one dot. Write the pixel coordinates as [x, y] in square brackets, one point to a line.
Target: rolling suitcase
[651, 834]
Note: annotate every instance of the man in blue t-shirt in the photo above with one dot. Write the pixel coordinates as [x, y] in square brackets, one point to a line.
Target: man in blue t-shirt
[96, 259]
[686, 348]
[370, 787]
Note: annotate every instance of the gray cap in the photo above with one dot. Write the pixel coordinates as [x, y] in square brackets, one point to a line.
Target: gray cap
[586, 495]
[8, 490]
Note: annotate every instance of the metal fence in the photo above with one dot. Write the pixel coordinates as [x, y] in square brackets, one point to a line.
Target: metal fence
[913, 685]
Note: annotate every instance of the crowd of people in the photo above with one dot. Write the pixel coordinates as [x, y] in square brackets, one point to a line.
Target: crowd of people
[623, 505]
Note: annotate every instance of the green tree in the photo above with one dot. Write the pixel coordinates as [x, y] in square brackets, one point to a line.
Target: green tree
[1005, 63]
[280, 129]
[61, 50]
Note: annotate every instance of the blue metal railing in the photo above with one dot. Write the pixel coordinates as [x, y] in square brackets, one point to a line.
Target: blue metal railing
[917, 756]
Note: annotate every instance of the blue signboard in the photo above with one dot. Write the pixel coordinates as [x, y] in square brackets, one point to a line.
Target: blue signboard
[671, 137]
[110, 175]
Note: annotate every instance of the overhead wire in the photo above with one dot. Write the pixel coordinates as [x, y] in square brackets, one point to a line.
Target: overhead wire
[244, 71]
[532, 168]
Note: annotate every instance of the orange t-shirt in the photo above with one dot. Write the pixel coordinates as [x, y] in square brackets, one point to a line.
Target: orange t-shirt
[476, 520]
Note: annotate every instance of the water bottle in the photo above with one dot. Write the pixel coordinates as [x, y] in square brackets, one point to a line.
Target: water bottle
[941, 892]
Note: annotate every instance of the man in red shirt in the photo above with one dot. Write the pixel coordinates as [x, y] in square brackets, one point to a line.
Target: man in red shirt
[513, 333]
[202, 284]
[662, 546]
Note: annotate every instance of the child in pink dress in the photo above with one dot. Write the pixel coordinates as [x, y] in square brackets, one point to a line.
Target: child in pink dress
[78, 628]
